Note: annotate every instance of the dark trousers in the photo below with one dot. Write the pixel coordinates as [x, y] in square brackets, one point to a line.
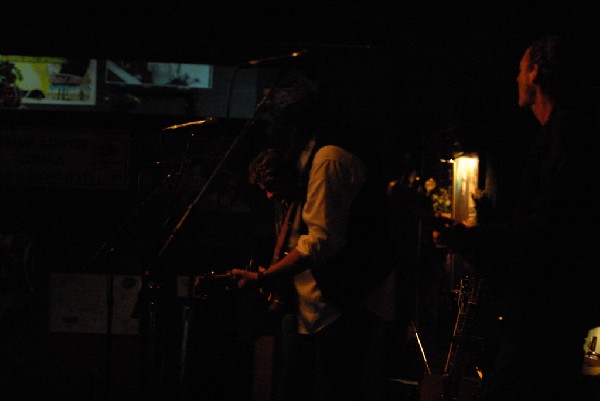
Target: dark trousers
[327, 365]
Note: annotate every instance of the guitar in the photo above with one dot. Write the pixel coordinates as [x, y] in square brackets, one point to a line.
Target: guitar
[207, 283]
[453, 384]
[461, 348]
[277, 294]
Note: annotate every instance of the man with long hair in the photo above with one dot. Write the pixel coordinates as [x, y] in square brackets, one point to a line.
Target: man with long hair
[336, 254]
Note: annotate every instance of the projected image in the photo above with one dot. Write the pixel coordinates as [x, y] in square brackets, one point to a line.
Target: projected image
[33, 80]
[175, 75]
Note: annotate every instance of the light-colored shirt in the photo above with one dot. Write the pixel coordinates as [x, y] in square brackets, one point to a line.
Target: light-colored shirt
[334, 180]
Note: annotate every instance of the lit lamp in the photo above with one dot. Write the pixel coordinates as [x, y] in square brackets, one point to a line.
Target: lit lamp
[465, 188]
[591, 365]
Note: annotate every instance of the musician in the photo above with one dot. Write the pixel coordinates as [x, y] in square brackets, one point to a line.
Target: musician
[335, 261]
[544, 251]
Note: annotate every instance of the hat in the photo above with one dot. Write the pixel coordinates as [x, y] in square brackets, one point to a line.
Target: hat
[293, 102]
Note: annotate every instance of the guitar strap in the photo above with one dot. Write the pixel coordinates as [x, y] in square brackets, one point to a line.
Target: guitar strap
[288, 223]
[282, 295]
[284, 234]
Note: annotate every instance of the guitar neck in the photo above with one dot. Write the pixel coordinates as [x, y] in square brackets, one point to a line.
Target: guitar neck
[222, 276]
[468, 300]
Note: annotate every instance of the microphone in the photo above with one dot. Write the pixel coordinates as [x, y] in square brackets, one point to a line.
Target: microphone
[275, 59]
[207, 120]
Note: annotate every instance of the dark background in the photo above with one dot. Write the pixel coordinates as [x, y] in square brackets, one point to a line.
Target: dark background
[423, 78]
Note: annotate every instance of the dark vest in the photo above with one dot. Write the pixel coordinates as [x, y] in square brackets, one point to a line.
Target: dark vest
[368, 256]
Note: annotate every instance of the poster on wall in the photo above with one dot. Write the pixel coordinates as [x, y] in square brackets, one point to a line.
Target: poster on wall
[37, 80]
[153, 74]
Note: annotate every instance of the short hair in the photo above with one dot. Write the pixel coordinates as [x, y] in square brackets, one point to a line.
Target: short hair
[561, 70]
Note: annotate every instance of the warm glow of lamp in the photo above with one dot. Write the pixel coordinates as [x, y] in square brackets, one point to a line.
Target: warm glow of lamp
[465, 183]
[590, 346]
[591, 360]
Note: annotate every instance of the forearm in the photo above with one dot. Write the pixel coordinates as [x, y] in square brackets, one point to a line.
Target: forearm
[291, 264]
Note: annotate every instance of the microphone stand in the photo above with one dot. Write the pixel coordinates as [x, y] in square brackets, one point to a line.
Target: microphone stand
[107, 245]
[149, 287]
[150, 284]
[234, 145]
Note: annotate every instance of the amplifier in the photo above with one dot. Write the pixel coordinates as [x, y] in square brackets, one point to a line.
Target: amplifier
[78, 303]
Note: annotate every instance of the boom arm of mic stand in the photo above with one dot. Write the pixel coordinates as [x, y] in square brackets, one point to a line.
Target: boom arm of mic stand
[234, 145]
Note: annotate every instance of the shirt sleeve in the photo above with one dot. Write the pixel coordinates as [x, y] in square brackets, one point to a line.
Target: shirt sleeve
[335, 178]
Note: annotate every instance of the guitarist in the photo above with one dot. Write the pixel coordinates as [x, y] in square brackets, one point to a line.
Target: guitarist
[335, 253]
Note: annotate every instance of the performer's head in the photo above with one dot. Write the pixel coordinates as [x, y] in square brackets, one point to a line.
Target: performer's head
[275, 174]
[551, 67]
[293, 112]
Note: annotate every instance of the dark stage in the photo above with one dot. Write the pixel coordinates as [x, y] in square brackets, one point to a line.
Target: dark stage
[95, 193]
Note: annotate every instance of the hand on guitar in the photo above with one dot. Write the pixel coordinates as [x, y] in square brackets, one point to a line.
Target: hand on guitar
[247, 277]
[272, 291]
[241, 277]
[210, 282]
